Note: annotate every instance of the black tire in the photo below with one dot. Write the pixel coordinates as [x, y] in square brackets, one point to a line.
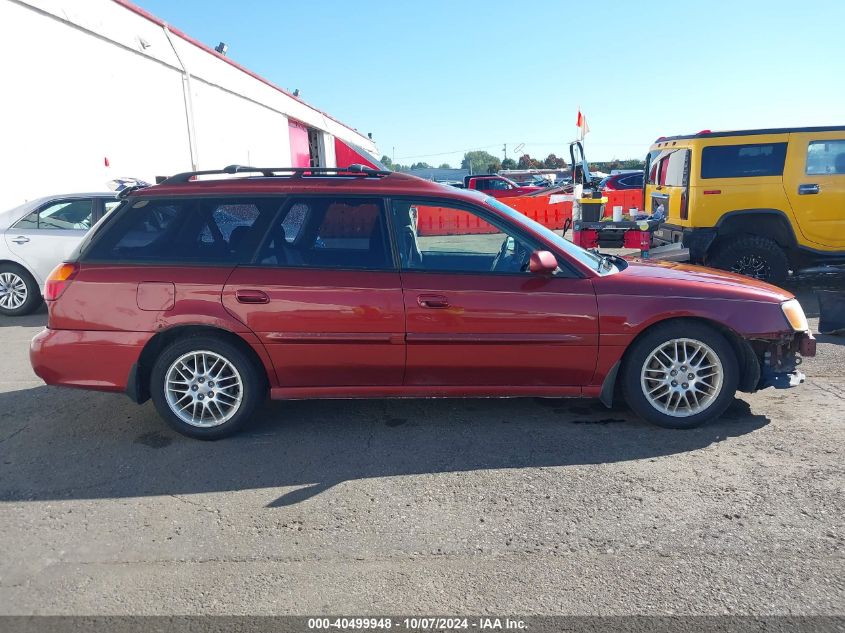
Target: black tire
[754, 256]
[641, 350]
[253, 385]
[33, 293]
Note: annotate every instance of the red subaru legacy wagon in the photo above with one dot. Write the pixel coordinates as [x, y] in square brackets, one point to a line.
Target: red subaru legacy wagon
[206, 294]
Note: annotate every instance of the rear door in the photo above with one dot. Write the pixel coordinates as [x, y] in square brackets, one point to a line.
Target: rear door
[323, 294]
[815, 183]
[475, 315]
[49, 234]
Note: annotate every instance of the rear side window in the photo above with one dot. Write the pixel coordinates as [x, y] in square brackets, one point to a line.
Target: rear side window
[184, 230]
[743, 161]
[669, 168]
[329, 233]
[826, 157]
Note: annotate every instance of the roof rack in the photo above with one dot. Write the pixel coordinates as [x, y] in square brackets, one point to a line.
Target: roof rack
[298, 172]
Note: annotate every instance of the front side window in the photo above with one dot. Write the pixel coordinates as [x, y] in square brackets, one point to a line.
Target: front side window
[71, 215]
[184, 230]
[329, 233]
[743, 161]
[440, 237]
[826, 157]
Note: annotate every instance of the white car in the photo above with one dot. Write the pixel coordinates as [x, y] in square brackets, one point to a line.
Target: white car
[37, 236]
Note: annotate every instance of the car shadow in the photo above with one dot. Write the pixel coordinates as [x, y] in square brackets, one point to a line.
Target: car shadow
[66, 444]
[36, 319]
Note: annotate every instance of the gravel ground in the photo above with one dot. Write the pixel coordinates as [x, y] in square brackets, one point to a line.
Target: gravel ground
[449, 507]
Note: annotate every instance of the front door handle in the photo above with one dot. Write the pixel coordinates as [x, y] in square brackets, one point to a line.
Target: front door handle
[432, 301]
[252, 296]
[20, 239]
[808, 190]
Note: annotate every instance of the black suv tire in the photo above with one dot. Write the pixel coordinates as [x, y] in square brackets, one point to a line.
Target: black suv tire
[754, 256]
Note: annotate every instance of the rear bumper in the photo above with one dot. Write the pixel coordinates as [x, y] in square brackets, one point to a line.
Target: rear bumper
[86, 359]
[697, 240]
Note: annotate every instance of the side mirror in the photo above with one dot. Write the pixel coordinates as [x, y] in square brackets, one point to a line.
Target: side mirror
[542, 263]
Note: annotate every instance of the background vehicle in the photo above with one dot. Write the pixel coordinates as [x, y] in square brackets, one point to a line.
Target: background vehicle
[38, 235]
[757, 202]
[618, 182]
[498, 186]
[203, 295]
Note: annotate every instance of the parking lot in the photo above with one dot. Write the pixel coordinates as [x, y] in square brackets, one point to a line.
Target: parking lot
[425, 506]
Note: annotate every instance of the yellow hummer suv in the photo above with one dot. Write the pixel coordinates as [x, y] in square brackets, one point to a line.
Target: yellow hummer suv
[757, 202]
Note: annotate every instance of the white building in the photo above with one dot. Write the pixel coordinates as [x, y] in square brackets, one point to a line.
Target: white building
[94, 90]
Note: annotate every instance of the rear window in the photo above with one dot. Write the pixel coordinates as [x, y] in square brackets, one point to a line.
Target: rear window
[669, 167]
[743, 161]
[184, 230]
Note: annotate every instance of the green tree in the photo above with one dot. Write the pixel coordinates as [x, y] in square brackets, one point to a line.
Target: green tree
[526, 162]
[421, 165]
[509, 163]
[445, 166]
[385, 160]
[480, 162]
[553, 162]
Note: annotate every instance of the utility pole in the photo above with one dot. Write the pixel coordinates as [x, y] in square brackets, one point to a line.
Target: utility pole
[393, 158]
[506, 151]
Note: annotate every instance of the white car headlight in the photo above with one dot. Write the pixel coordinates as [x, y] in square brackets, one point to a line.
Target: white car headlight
[794, 313]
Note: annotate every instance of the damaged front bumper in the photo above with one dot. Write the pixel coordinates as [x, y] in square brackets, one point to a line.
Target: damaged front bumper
[780, 358]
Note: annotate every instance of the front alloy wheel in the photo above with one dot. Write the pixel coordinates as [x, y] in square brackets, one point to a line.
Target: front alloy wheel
[13, 291]
[682, 377]
[680, 374]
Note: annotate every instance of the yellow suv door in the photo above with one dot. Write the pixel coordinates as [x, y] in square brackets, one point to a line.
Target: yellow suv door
[815, 183]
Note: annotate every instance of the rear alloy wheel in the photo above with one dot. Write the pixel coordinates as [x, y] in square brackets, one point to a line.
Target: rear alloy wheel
[205, 387]
[754, 256]
[680, 375]
[19, 294]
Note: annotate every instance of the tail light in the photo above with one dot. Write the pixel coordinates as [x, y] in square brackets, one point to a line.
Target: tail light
[684, 206]
[59, 279]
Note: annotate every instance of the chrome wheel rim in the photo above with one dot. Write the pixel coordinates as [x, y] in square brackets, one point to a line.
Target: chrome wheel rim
[752, 266]
[13, 291]
[203, 389]
[682, 377]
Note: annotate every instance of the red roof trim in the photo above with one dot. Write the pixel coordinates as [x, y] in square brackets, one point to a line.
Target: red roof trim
[149, 16]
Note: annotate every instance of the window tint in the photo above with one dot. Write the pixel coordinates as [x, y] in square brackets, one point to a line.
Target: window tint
[73, 215]
[444, 238]
[826, 157]
[330, 233]
[743, 161]
[204, 231]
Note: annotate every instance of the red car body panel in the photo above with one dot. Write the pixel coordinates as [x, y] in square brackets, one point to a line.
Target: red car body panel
[325, 327]
[500, 330]
[346, 333]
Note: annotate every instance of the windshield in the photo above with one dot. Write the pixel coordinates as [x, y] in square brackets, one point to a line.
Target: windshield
[598, 263]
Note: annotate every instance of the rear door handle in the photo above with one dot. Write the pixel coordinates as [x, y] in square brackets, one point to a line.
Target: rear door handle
[808, 190]
[252, 296]
[432, 301]
[20, 239]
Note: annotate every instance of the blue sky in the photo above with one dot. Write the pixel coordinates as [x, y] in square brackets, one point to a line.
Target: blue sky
[433, 79]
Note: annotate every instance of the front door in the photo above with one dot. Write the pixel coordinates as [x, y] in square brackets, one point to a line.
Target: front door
[324, 296]
[815, 184]
[475, 315]
[49, 234]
